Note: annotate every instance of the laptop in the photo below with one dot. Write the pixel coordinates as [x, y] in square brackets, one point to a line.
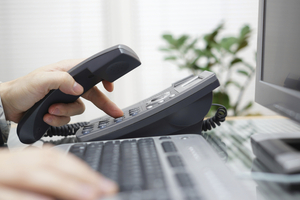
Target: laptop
[162, 167]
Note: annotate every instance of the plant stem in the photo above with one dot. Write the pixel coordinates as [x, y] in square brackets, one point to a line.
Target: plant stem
[241, 93]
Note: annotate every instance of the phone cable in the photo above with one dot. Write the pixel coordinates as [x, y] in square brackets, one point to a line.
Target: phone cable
[65, 130]
[219, 117]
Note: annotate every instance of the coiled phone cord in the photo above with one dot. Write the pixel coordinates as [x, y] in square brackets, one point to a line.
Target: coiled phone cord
[220, 116]
[65, 130]
[71, 129]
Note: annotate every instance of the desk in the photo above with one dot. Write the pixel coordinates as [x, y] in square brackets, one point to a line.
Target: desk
[232, 142]
[235, 135]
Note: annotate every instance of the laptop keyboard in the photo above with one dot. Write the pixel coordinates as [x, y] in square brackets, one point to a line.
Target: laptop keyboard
[135, 166]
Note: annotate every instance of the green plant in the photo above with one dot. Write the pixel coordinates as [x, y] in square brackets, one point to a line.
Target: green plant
[218, 54]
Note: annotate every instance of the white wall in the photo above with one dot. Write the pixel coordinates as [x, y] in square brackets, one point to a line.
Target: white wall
[34, 33]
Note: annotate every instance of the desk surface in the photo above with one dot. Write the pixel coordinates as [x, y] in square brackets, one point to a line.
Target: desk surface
[235, 136]
[232, 143]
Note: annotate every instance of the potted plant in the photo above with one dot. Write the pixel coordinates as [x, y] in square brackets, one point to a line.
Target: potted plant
[220, 55]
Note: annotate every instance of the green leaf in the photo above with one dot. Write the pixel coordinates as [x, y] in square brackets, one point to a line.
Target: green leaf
[181, 41]
[211, 37]
[194, 66]
[221, 98]
[208, 53]
[241, 45]
[234, 83]
[245, 31]
[235, 60]
[248, 106]
[243, 72]
[171, 58]
[182, 66]
[199, 52]
[216, 46]
[226, 43]
[243, 38]
[169, 38]
[164, 49]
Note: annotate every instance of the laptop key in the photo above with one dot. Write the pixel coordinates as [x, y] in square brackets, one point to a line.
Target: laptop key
[93, 154]
[184, 180]
[175, 161]
[169, 147]
[78, 149]
[131, 172]
[110, 160]
[151, 165]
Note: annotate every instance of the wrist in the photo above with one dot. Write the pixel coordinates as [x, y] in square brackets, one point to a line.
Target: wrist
[4, 95]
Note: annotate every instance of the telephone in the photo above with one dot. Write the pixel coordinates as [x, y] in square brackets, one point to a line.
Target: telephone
[177, 109]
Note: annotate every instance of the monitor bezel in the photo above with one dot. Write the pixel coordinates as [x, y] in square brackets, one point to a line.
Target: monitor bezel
[282, 100]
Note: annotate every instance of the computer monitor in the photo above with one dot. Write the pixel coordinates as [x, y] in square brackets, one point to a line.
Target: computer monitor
[278, 57]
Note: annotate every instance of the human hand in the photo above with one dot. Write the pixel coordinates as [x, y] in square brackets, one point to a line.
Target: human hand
[47, 174]
[21, 94]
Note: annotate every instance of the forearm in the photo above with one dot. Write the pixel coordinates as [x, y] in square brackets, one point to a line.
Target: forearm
[4, 124]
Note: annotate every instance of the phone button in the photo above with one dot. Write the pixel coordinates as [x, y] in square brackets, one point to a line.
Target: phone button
[149, 107]
[87, 129]
[119, 119]
[102, 124]
[134, 111]
[161, 101]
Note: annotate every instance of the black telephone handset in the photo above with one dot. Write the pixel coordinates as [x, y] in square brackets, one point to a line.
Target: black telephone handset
[108, 65]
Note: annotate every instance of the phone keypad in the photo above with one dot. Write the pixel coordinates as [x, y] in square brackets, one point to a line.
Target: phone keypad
[107, 122]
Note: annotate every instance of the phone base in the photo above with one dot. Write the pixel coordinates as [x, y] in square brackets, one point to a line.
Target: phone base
[187, 120]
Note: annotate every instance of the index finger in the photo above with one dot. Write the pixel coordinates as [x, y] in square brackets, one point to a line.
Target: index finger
[108, 85]
[103, 102]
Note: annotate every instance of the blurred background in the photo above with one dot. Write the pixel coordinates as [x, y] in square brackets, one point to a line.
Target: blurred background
[35, 33]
